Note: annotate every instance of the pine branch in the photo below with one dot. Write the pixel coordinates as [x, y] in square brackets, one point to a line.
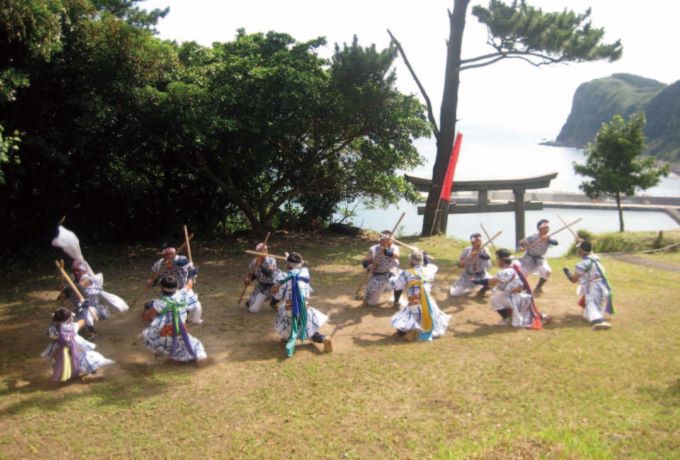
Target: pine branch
[430, 113]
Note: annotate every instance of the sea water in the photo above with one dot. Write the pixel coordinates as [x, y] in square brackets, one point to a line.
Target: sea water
[494, 153]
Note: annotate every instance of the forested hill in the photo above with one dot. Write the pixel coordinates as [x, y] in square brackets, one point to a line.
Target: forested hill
[597, 101]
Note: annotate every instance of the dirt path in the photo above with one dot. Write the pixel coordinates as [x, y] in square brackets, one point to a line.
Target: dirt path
[644, 261]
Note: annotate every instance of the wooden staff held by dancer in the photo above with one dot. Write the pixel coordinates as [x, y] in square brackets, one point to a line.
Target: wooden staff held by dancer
[357, 294]
[565, 227]
[264, 254]
[576, 237]
[475, 251]
[71, 284]
[154, 277]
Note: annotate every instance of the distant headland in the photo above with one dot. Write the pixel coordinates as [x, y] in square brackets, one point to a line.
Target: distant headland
[597, 101]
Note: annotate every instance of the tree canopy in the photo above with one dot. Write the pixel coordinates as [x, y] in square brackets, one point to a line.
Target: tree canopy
[129, 136]
[614, 164]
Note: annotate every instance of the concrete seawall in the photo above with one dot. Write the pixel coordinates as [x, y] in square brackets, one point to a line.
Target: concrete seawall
[667, 205]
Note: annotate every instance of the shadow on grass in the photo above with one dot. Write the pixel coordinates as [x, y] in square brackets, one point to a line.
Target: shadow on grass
[136, 382]
[568, 321]
[668, 396]
[378, 339]
[269, 349]
[459, 303]
[351, 317]
[562, 322]
[484, 329]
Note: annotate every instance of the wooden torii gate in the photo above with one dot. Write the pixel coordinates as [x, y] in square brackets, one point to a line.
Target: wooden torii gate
[482, 187]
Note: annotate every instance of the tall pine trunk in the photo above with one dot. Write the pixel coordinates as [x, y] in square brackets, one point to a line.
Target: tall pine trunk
[447, 117]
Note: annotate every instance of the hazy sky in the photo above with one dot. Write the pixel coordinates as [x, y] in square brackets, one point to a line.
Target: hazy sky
[510, 94]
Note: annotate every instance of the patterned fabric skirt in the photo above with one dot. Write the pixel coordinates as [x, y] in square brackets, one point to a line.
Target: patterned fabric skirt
[283, 325]
[161, 345]
[261, 288]
[531, 265]
[410, 316]
[520, 304]
[88, 359]
[377, 284]
[465, 284]
[596, 296]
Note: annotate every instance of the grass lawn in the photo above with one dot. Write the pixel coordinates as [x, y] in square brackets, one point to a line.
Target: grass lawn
[480, 391]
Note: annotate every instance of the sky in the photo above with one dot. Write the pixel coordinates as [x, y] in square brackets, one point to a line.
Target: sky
[510, 94]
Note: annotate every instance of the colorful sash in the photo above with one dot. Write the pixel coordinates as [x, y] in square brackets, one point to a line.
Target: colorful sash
[609, 308]
[298, 328]
[426, 322]
[177, 325]
[536, 322]
[67, 362]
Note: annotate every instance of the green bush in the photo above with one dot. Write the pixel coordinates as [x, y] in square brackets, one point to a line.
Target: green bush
[628, 241]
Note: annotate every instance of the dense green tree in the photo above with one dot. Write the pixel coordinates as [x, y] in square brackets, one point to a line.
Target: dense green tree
[125, 134]
[614, 163]
[516, 31]
[77, 118]
[289, 128]
[29, 33]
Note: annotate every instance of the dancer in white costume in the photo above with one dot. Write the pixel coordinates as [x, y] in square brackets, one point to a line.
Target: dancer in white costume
[264, 272]
[382, 261]
[185, 273]
[295, 320]
[92, 310]
[421, 318]
[91, 302]
[475, 261]
[512, 298]
[535, 247]
[594, 291]
[71, 355]
[167, 334]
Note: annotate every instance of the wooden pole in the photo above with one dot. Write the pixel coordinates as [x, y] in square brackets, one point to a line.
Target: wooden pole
[184, 245]
[566, 226]
[258, 253]
[186, 241]
[157, 274]
[519, 214]
[368, 272]
[400, 243]
[69, 281]
[489, 238]
[578, 240]
[243, 292]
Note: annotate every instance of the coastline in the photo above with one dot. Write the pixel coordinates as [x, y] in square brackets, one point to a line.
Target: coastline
[675, 166]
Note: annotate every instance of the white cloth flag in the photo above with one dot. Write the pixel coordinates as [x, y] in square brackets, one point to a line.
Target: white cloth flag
[69, 243]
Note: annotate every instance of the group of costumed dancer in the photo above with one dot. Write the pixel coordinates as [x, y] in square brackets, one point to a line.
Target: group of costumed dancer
[73, 353]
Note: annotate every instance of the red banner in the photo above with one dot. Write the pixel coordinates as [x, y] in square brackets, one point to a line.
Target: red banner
[451, 169]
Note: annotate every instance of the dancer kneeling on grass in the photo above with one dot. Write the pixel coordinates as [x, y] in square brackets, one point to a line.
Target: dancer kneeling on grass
[167, 334]
[264, 272]
[421, 318]
[476, 261]
[185, 273]
[92, 310]
[295, 320]
[70, 354]
[382, 262]
[594, 291]
[512, 297]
